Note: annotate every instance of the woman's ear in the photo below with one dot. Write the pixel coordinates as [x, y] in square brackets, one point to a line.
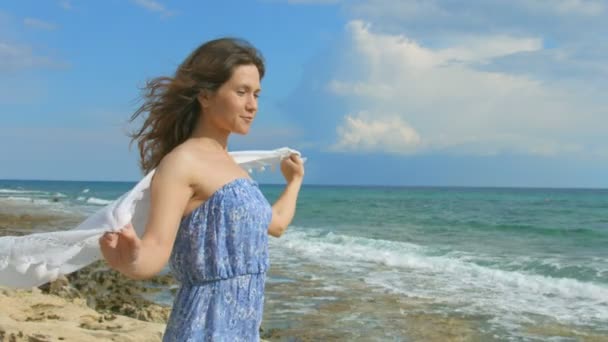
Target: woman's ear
[204, 98]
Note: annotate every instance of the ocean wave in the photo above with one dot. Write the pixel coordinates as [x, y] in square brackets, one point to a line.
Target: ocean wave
[34, 200]
[412, 270]
[98, 201]
[14, 191]
[19, 199]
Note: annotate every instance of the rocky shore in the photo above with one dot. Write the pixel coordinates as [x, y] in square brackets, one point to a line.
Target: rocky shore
[93, 304]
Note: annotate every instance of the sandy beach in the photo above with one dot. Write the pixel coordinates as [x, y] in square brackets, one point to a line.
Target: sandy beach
[30, 315]
[92, 304]
[77, 307]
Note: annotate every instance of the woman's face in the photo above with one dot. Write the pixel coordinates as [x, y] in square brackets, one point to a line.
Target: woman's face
[234, 105]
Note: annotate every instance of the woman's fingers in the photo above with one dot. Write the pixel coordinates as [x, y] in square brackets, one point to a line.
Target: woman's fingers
[296, 159]
[128, 231]
[129, 236]
[293, 160]
[296, 163]
[109, 240]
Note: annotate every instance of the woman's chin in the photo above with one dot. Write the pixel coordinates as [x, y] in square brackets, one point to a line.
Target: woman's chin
[241, 131]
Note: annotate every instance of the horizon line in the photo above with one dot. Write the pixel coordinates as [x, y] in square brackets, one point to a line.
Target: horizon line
[370, 185]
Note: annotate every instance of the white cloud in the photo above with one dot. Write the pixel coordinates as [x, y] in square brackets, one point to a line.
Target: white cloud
[439, 100]
[565, 23]
[480, 48]
[153, 6]
[469, 49]
[362, 132]
[38, 24]
[16, 57]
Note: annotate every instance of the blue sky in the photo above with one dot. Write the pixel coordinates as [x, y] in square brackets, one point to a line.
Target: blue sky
[389, 92]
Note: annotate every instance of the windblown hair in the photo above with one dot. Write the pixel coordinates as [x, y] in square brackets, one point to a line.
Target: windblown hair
[171, 103]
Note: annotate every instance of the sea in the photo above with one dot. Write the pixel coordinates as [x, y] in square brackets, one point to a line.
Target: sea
[365, 263]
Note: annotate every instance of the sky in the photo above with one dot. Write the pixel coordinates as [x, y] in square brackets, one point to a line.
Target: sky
[501, 93]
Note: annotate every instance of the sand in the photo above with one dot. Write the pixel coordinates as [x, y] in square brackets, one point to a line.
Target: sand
[30, 315]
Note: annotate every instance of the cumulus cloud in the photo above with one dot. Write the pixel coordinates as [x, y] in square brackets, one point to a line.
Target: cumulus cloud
[572, 31]
[436, 99]
[362, 132]
[564, 22]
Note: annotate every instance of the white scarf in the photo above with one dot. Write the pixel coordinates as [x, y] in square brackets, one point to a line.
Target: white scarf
[32, 260]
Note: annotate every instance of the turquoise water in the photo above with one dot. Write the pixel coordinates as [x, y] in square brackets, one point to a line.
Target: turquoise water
[503, 259]
[500, 260]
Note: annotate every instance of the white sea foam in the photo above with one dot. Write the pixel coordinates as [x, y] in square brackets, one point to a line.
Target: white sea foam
[13, 191]
[20, 199]
[98, 201]
[452, 279]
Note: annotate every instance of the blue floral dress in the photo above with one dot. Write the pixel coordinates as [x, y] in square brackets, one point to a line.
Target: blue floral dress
[220, 257]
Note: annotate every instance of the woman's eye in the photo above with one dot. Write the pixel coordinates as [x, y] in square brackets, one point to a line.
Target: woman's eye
[256, 95]
[240, 92]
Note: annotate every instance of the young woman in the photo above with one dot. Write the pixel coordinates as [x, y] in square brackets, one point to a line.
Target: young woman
[207, 217]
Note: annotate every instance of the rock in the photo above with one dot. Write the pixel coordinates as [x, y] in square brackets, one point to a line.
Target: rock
[108, 291]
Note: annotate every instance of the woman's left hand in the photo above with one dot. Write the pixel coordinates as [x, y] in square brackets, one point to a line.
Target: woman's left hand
[292, 168]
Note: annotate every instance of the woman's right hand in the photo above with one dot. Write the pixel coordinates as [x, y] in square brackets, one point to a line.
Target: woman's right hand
[120, 249]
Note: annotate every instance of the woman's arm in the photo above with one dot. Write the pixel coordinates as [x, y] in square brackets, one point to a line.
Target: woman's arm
[284, 208]
[141, 258]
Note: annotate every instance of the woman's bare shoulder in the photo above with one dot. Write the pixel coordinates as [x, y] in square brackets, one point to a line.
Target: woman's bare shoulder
[189, 160]
[178, 163]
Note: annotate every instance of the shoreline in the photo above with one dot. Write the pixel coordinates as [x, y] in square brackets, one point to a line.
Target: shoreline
[381, 296]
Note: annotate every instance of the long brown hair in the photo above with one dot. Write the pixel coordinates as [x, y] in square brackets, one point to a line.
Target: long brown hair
[171, 103]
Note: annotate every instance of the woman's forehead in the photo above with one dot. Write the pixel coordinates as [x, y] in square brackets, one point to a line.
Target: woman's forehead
[247, 74]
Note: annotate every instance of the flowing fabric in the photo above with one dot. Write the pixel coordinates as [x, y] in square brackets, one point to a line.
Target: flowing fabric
[35, 259]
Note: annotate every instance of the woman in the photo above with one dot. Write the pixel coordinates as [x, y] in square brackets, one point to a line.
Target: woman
[207, 217]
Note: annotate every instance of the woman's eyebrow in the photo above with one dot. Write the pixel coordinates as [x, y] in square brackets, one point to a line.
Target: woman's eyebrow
[248, 88]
